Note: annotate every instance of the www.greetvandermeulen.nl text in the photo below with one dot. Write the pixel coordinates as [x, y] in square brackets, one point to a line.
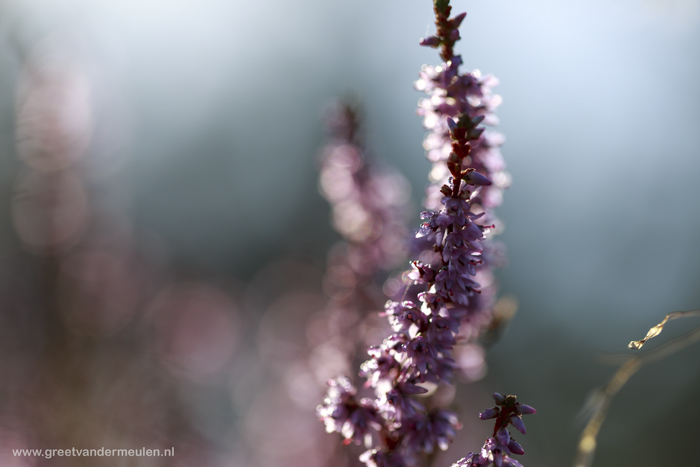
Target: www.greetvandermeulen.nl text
[102, 452]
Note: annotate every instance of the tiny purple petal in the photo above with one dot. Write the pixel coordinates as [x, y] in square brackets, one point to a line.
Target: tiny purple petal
[524, 409]
[515, 447]
[458, 19]
[499, 398]
[517, 422]
[510, 462]
[475, 178]
[408, 388]
[451, 123]
[432, 41]
[489, 413]
[503, 436]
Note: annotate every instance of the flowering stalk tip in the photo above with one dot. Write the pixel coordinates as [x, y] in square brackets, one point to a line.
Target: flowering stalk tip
[499, 448]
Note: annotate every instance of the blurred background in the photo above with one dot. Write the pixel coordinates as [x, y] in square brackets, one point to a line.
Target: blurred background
[163, 241]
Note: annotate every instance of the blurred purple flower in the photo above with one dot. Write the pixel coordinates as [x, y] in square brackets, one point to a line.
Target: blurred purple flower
[368, 205]
[368, 211]
[342, 413]
[427, 431]
[380, 457]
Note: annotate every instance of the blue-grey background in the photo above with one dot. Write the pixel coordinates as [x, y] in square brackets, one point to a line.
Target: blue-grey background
[219, 105]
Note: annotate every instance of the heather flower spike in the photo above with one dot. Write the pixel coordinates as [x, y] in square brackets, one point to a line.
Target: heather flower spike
[452, 290]
[457, 110]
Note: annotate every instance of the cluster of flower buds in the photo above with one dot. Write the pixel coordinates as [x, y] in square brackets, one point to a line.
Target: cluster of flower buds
[342, 413]
[453, 95]
[499, 448]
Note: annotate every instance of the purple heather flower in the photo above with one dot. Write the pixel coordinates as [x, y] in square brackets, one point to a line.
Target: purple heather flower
[382, 366]
[383, 458]
[444, 369]
[447, 298]
[342, 413]
[396, 405]
[441, 331]
[419, 354]
[475, 460]
[425, 432]
[431, 301]
[404, 316]
[395, 342]
[490, 454]
[421, 273]
[425, 336]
